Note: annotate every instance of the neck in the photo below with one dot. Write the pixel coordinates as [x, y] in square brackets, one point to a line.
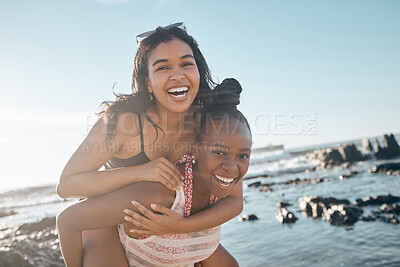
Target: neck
[171, 122]
[201, 193]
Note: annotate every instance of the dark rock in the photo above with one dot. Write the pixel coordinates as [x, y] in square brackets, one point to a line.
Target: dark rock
[367, 145]
[249, 217]
[388, 168]
[314, 206]
[265, 188]
[256, 176]
[310, 170]
[389, 219]
[38, 226]
[341, 156]
[369, 218]
[387, 208]
[31, 244]
[378, 146]
[332, 157]
[377, 200]
[305, 181]
[349, 175]
[6, 213]
[390, 142]
[254, 185]
[350, 153]
[342, 215]
[283, 205]
[390, 148]
[285, 216]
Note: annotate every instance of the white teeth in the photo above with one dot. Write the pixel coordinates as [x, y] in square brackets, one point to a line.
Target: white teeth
[178, 90]
[225, 180]
[179, 96]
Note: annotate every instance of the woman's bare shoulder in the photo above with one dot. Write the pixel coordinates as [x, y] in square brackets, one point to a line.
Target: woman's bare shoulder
[128, 124]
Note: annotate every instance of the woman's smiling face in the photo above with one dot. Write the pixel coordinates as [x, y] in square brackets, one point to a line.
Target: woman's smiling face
[173, 75]
[223, 156]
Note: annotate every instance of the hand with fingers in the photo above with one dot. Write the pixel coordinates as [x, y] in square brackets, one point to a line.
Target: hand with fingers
[160, 221]
[163, 171]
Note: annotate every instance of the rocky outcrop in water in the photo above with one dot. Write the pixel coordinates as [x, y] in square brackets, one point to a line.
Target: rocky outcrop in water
[391, 218]
[268, 187]
[314, 206]
[342, 215]
[331, 157]
[247, 217]
[382, 217]
[285, 216]
[262, 187]
[377, 200]
[283, 205]
[333, 210]
[305, 181]
[257, 176]
[344, 155]
[388, 168]
[390, 148]
[265, 188]
[387, 211]
[367, 145]
[254, 185]
[6, 213]
[348, 175]
[388, 208]
[350, 153]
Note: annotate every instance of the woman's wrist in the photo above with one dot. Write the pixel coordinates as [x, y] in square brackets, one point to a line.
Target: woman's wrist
[136, 174]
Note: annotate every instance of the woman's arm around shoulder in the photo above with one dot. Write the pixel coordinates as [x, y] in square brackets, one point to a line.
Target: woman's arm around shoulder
[81, 178]
[169, 222]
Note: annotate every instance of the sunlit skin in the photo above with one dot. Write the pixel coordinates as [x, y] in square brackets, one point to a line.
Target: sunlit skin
[172, 66]
[223, 158]
[224, 153]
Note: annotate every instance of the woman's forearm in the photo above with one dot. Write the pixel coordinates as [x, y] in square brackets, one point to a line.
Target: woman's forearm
[216, 215]
[94, 183]
[222, 211]
[81, 178]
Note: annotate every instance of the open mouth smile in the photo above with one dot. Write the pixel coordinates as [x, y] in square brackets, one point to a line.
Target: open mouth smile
[178, 92]
[224, 181]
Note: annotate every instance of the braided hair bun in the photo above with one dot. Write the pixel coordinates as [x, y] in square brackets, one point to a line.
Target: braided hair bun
[227, 93]
[222, 104]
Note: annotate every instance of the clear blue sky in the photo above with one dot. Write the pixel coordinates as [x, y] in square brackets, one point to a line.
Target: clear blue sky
[312, 71]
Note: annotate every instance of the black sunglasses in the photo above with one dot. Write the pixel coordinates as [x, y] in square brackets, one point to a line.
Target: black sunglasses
[142, 36]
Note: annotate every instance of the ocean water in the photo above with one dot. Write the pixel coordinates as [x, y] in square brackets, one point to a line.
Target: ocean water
[266, 242]
[313, 242]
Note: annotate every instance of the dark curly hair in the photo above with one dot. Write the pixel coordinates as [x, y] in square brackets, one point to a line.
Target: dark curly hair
[221, 104]
[140, 99]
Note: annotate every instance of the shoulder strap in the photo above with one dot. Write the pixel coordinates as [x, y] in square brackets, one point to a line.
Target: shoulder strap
[141, 133]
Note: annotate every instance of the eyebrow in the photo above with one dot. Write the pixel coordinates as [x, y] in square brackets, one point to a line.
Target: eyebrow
[226, 147]
[219, 145]
[166, 60]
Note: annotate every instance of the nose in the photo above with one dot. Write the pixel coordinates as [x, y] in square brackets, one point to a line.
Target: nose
[177, 74]
[231, 166]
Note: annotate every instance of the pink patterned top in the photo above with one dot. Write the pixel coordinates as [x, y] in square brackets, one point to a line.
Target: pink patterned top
[175, 249]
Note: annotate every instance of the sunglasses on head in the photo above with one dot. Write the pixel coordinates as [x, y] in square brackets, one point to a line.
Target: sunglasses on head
[143, 35]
